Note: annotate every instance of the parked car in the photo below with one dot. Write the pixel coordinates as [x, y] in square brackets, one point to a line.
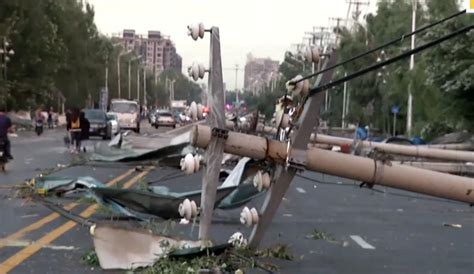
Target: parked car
[114, 124]
[99, 125]
[164, 118]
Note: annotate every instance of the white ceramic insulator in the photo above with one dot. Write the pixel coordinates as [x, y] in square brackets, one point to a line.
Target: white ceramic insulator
[193, 71]
[193, 31]
[188, 209]
[202, 70]
[193, 111]
[201, 30]
[199, 110]
[197, 162]
[308, 54]
[237, 239]
[249, 217]
[188, 164]
[262, 180]
[311, 54]
[298, 87]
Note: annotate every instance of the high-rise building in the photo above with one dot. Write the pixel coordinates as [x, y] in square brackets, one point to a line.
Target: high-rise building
[158, 52]
[260, 72]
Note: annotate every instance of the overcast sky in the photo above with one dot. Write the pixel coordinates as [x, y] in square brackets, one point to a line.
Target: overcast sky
[265, 28]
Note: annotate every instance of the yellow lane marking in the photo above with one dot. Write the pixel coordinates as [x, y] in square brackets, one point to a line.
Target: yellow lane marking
[53, 216]
[28, 251]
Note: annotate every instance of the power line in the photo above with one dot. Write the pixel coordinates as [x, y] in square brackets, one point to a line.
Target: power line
[389, 61]
[399, 39]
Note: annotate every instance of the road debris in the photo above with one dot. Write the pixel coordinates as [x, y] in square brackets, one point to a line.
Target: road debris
[452, 225]
[322, 235]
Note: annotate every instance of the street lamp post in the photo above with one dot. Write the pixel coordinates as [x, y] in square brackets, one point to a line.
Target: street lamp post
[118, 72]
[107, 67]
[130, 75]
[6, 53]
[144, 85]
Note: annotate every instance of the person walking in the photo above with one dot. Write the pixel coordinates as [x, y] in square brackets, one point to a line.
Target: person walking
[85, 129]
[75, 131]
[68, 138]
[6, 127]
[50, 118]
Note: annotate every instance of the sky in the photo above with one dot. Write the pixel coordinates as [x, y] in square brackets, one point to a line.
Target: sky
[264, 28]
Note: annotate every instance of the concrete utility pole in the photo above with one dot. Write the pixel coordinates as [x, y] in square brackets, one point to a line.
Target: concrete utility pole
[357, 12]
[129, 80]
[412, 66]
[236, 90]
[107, 72]
[344, 102]
[144, 85]
[215, 149]
[138, 83]
[371, 171]
[439, 152]
[118, 73]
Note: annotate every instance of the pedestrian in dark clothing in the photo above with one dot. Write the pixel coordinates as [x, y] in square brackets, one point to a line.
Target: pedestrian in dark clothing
[85, 128]
[6, 127]
[68, 137]
[50, 117]
[75, 130]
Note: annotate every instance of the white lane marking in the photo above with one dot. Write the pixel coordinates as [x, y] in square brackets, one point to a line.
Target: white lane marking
[358, 239]
[20, 243]
[300, 190]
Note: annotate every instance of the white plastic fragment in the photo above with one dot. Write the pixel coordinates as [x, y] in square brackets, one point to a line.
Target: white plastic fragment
[237, 239]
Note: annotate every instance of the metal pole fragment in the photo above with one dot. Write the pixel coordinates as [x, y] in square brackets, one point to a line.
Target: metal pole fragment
[296, 159]
[215, 147]
[349, 166]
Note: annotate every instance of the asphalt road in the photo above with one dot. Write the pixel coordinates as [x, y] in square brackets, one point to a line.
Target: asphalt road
[363, 231]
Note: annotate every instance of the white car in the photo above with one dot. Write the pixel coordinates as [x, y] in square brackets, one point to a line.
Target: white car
[112, 119]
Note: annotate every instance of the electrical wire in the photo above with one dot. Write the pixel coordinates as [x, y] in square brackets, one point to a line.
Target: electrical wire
[399, 39]
[389, 61]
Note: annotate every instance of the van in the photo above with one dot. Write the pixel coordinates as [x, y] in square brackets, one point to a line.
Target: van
[128, 113]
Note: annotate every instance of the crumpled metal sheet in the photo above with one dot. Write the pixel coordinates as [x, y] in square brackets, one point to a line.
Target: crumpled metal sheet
[105, 153]
[241, 176]
[134, 202]
[120, 248]
[129, 147]
[62, 184]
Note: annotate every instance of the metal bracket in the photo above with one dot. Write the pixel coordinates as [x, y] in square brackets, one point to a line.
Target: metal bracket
[297, 158]
[220, 133]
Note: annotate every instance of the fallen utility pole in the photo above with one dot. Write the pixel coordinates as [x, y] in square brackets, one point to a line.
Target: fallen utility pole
[348, 166]
[415, 151]
[454, 168]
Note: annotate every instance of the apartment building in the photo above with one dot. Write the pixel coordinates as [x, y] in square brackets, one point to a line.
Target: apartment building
[259, 73]
[157, 51]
